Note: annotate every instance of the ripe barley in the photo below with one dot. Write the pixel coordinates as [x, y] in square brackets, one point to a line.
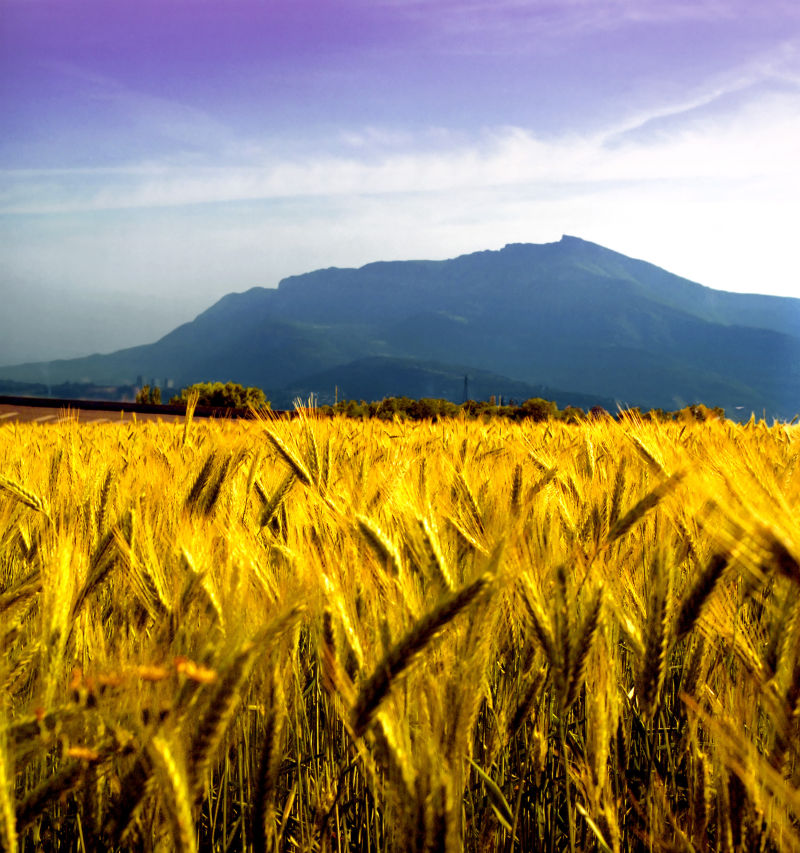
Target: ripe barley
[624, 718]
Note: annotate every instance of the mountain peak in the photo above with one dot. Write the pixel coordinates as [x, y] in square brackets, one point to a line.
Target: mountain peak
[566, 240]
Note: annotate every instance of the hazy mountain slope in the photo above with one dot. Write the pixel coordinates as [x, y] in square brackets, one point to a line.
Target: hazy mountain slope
[240, 348]
[570, 315]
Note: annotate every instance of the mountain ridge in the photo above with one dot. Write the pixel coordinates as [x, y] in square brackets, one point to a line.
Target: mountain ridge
[568, 314]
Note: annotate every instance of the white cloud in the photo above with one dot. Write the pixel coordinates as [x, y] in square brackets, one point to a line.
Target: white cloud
[758, 141]
[713, 198]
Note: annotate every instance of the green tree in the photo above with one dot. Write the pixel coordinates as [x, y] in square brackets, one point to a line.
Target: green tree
[228, 395]
[573, 414]
[149, 395]
[538, 409]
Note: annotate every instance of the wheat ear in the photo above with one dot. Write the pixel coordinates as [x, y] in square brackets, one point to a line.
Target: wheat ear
[211, 495]
[616, 494]
[655, 659]
[586, 636]
[516, 490]
[648, 456]
[214, 722]
[380, 543]
[469, 498]
[403, 653]
[529, 698]
[103, 560]
[642, 507]
[314, 465]
[193, 499]
[24, 496]
[273, 503]
[435, 556]
[13, 600]
[301, 472]
[191, 405]
[695, 600]
[542, 628]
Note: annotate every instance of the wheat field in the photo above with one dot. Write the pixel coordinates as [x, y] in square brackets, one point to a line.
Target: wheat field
[326, 634]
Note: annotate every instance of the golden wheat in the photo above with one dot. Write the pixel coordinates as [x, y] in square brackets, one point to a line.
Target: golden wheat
[311, 634]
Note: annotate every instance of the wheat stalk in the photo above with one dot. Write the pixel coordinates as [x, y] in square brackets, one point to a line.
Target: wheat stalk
[8, 820]
[269, 767]
[191, 405]
[180, 802]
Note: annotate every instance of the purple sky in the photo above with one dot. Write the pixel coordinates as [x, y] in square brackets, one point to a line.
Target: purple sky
[156, 155]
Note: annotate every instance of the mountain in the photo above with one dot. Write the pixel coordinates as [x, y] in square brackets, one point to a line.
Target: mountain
[569, 314]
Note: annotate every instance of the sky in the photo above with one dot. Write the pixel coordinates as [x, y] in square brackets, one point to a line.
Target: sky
[158, 154]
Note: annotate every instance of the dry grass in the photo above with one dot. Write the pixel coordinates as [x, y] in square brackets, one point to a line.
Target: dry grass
[336, 635]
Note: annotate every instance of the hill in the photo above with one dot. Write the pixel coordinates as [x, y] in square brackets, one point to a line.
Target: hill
[569, 314]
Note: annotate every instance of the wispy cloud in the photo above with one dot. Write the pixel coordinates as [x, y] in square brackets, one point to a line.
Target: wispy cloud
[141, 113]
[751, 136]
[519, 20]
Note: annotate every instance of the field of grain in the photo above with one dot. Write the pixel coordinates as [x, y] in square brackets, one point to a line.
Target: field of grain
[323, 634]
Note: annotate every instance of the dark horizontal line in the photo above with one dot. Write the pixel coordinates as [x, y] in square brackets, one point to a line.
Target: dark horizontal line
[138, 408]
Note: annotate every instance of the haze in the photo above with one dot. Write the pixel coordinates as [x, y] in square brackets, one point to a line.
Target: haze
[157, 155]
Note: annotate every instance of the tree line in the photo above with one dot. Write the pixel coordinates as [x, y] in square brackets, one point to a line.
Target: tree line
[535, 409]
[233, 395]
